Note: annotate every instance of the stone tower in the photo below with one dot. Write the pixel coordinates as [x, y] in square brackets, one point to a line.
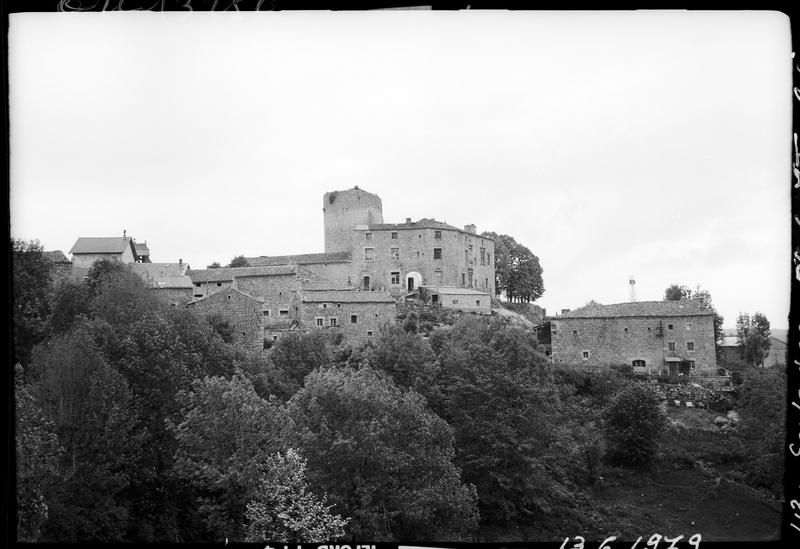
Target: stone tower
[343, 211]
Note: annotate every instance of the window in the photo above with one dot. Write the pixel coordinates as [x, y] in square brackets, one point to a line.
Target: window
[455, 302]
[229, 296]
[283, 312]
[483, 256]
[671, 345]
[639, 364]
[265, 313]
[477, 302]
[470, 248]
[394, 235]
[688, 326]
[488, 259]
[486, 283]
[369, 254]
[324, 305]
[369, 333]
[368, 236]
[198, 295]
[395, 253]
[463, 279]
[437, 278]
[585, 355]
[437, 234]
[353, 319]
[670, 327]
[691, 364]
[470, 277]
[320, 321]
[332, 321]
[435, 298]
[197, 284]
[219, 283]
[574, 332]
[690, 345]
[396, 278]
[366, 283]
[437, 253]
[626, 330]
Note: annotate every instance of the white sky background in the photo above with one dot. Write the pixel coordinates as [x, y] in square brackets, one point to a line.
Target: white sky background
[653, 144]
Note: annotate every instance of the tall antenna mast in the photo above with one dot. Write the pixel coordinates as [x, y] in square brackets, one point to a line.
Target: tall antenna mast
[632, 284]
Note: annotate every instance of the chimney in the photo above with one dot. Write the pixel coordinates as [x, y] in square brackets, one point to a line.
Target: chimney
[408, 220]
[470, 229]
[180, 262]
[124, 233]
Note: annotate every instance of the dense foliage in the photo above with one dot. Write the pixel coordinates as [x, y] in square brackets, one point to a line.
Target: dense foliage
[633, 424]
[753, 338]
[137, 421]
[518, 274]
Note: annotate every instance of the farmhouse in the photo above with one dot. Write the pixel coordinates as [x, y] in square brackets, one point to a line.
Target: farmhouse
[654, 337]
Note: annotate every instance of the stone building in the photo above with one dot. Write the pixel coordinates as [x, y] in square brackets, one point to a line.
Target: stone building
[170, 280]
[61, 265]
[87, 250]
[359, 315]
[243, 311]
[363, 252]
[462, 299]
[654, 337]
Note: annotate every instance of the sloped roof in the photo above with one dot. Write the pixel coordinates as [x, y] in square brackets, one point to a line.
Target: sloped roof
[302, 259]
[640, 308]
[224, 274]
[141, 248]
[163, 275]
[56, 256]
[424, 223]
[220, 295]
[345, 296]
[102, 245]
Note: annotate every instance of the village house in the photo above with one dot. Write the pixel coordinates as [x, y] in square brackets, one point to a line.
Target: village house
[241, 310]
[653, 337]
[359, 315]
[87, 250]
[170, 279]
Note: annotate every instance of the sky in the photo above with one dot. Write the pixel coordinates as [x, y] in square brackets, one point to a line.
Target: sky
[612, 144]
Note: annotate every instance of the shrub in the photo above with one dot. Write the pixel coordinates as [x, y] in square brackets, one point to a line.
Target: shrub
[633, 424]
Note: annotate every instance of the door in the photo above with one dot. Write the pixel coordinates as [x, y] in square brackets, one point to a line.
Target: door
[366, 283]
[410, 283]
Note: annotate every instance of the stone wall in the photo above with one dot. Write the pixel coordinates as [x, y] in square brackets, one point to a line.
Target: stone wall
[345, 209]
[415, 253]
[369, 318]
[622, 340]
[243, 311]
[174, 296]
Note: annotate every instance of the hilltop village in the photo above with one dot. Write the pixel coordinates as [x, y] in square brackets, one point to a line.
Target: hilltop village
[369, 268]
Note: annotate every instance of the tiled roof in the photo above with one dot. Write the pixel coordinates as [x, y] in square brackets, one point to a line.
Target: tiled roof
[102, 245]
[424, 223]
[141, 248]
[302, 259]
[640, 308]
[345, 296]
[218, 295]
[56, 256]
[163, 275]
[228, 273]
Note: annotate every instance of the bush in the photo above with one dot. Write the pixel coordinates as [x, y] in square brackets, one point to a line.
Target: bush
[633, 424]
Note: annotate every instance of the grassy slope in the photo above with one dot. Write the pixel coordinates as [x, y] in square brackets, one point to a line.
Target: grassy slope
[693, 487]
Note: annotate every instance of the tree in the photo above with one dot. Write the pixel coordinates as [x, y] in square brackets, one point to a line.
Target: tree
[284, 509]
[239, 261]
[225, 434]
[214, 265]
[633, 423]
[753, 337]
[495, 391]
[70, 302]
[382, 456]
[92, 413]
[38, 454]
[677, 293]
[518, 273]
[406, 357]
[295, 355]
[31, 296]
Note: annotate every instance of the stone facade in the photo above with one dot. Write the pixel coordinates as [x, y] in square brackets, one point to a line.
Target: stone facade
[357, 314]
[241, 310]
[656, 337]
[345, 209]
[462, 299]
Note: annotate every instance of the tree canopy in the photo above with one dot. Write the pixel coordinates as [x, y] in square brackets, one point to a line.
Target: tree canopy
[518, 274]
[239, 261]
[753, 337]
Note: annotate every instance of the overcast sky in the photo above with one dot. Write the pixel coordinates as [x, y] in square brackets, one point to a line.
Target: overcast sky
[653, 144]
